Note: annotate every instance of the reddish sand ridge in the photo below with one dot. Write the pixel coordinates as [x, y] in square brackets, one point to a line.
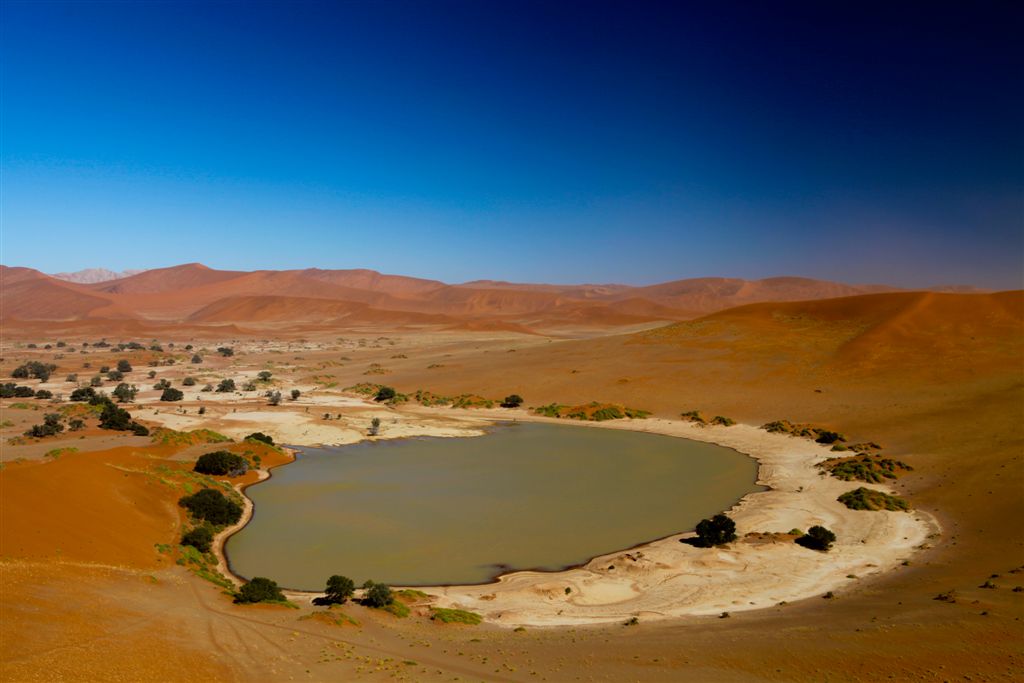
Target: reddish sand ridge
[207, 296]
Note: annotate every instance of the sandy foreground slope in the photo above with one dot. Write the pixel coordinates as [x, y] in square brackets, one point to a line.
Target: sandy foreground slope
[936, 381]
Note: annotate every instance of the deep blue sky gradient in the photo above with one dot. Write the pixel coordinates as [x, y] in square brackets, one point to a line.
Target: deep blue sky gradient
[561, 142]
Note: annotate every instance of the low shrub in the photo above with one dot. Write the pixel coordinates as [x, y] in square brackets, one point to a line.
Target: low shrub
[869, 499]
[454, 616]
[260, 436]
[723, 421]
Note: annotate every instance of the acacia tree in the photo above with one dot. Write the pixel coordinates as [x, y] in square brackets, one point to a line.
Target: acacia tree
[339, 589]
[718, 530]
[817, 538]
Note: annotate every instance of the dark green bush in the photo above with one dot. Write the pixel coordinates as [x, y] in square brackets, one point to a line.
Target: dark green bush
[817, 538]
[339, 589]
[221, 463]
[377, 595]
[172, 394]
[260, 589]
[124, 366]
[869, 499]
[260, 436]
[212, 506]
[512, 401]
[225, 386]
[51, 425]
[384, 394]
[83, 394]
[200, 538]
[718, 530]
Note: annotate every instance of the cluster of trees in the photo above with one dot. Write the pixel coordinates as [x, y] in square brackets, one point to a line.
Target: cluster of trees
[210, 505]
[117, 419]
[341, 588]
[11, 390]
[51, 425]
[34, 368]
[221, 463]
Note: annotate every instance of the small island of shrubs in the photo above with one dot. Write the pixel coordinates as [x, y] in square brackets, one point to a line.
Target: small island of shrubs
[869, 499]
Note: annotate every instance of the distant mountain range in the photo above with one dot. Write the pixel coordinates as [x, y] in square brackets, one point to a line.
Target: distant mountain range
[197, 296]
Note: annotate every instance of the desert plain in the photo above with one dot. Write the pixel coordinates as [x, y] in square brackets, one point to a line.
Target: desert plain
[95, 585]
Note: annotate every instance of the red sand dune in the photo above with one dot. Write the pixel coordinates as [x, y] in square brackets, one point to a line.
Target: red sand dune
[204, 296]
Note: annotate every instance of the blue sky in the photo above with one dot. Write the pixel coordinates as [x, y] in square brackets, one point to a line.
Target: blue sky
[559, 142]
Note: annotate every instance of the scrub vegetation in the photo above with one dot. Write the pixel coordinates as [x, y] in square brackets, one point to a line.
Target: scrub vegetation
[869, 499]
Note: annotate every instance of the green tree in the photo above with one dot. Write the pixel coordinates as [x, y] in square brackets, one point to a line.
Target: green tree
[226, 351]
[196, 358]
[125, 393]
[200, 538]
[817, 538]
[718, 530]
[189, 382]
[384, 394]
[512, 401]
[124, 366]
[377, 595]
[339, 589]
[171, 394]
[51, 425]
[212, 506]
[225, 386]
[264, 376]
[221, 462]
[295, 394]
[260, 589]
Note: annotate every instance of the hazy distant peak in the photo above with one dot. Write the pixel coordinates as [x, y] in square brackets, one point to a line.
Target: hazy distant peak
[92, 275]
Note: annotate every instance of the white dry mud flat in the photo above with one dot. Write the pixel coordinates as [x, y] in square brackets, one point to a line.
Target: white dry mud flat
[666, 578]
[658, 580]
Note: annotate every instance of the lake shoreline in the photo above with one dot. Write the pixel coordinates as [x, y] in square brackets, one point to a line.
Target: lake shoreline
[665, 579]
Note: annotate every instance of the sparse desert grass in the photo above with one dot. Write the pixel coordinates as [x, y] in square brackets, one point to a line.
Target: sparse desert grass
[592, 412]
[171, 437]
[454, 616]
[873, 470]
[869, 499]
[330, 616]
[819, 434]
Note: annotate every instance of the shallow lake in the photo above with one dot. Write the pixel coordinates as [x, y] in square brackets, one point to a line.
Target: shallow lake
[462, 510]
